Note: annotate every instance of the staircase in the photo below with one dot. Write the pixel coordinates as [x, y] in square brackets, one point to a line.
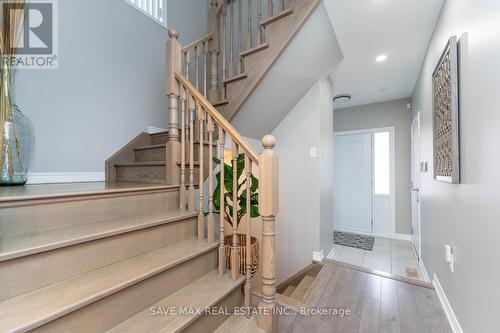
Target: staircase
[131, 254]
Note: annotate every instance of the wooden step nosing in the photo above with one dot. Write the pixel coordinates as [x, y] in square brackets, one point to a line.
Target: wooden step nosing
[254, 50]
[139, 164]
[235, 78]
[221, 102]
[108, 291]
[91, 237]
[82, 196]
[160, 145]
[159, 134]
[276, 17]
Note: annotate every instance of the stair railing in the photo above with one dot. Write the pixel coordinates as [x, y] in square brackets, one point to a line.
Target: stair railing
[198, 116]
[213, 60]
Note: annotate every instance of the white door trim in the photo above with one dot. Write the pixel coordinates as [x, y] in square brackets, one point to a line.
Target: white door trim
[391, 130]
[419, 222]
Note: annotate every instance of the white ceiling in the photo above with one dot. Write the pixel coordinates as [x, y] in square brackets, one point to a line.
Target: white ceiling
[401, 29]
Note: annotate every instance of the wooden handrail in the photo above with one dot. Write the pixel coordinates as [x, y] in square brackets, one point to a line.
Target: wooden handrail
[199, 41]
[218, 118]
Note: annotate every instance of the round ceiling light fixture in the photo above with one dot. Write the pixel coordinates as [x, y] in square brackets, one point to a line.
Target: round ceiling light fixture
[381, 58]
[342, 98]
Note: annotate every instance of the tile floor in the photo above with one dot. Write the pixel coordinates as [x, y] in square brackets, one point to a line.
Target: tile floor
[390, 256]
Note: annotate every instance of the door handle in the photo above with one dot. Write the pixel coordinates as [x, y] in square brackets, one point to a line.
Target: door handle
[415, 190]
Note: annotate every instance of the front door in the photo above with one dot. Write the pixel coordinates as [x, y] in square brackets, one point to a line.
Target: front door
[415, 181]
[352, 194]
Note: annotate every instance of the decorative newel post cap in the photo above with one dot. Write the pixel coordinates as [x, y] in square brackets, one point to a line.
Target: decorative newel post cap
[269, 141]
[172, 33]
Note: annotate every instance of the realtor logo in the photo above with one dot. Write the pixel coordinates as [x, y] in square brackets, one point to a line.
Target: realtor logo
[36, 46]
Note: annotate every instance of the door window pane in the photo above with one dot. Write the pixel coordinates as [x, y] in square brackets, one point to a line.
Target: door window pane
[382, 163]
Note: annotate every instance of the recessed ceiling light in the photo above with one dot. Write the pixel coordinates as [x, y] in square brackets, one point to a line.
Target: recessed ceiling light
[342, 98]
[381, 58]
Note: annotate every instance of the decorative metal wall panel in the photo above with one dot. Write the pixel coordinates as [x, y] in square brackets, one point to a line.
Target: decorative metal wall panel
[445, 116]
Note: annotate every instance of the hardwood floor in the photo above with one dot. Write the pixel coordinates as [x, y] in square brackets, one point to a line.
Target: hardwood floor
[376, 304]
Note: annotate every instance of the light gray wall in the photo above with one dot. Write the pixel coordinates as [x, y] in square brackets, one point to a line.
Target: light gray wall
[269, 104]
[303, 201]
[387, 114]
[110, 83]
[325, 109]
[466, 215]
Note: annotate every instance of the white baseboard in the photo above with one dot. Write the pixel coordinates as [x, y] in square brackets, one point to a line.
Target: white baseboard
[403, 237]
[423, 270]
[154, 130]
[64, 177]
[455, 326]
[319, 256]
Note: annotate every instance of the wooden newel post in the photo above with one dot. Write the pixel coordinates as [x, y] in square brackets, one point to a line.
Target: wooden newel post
[174, 64]
[213, 49]
[268, 208]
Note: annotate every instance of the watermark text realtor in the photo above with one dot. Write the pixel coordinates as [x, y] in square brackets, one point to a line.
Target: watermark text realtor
[36, 44]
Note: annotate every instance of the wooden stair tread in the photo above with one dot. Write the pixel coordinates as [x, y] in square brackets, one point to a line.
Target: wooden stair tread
[313, 294]
[239, 324]
[276, 17]
[19, 247]
[138, 164]
[39, 307]
[302, 288]
[160, 133]
[221, 102]
[289, 290]
[161, 145]
[13, 194]
[235, 78]
[202, 293]
[254, 50]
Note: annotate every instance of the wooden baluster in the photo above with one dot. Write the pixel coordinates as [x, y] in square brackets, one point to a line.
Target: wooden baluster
[248, 247]
[270, 9]
[213, 49]
[201, 213]
[191, 153]
[174, 64]
[240, 36]
[231, 39]
[250, 25]
[197, 66]
[205, 71]
[187, 62]
[182, 201]
[268, 208]
[222, 220]
[223, 46]
[282, 5]
[259, 19]
[235, 260]
[210, 219]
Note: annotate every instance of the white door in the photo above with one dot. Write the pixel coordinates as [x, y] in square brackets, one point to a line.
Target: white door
[415, 181]
[352, 194]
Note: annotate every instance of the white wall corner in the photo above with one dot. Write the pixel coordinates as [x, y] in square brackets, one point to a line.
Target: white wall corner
[154, 130]
[318, 256]
[423, 270]
[455, 325]
[64, 177]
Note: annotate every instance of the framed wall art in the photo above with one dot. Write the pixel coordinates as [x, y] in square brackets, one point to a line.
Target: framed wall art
[445, 90]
